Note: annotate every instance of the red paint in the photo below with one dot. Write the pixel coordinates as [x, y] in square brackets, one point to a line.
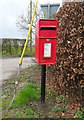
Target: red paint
[46, 33]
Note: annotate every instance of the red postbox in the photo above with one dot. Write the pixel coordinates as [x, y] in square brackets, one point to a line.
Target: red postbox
[45, 41]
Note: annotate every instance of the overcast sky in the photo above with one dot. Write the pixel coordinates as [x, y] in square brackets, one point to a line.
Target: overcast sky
[9, 11]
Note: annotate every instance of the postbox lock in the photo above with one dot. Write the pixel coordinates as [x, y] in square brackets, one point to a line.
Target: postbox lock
[47, 39]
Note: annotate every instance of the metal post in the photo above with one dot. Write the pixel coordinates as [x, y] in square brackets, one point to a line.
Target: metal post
[49, 10]
[43, 83]
[31, 29]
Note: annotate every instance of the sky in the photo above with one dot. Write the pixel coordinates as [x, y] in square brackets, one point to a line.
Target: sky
[9, 12]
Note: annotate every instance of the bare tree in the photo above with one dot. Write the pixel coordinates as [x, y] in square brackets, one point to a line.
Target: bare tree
[23, 21]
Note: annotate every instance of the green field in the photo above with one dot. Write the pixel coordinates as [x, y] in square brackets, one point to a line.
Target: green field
[14, 47]
[17, 52]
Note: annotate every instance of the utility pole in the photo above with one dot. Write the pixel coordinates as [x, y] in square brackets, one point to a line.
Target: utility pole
[31, 30]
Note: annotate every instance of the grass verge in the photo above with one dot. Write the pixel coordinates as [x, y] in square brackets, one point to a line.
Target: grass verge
[29, 93]
[27, 101]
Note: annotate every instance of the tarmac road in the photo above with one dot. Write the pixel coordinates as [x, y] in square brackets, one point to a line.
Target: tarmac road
[9, 66]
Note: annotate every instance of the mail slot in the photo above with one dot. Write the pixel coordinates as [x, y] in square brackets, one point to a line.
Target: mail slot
[45, 41]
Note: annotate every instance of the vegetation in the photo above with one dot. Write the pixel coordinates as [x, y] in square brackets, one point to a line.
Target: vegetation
[14, 48]
[29, 93]
[80, 114]
[27, 101]
[62, 99]
[58, 108]
[23, 21]
[65, 77]
[0, 105]
[53, 94]
[67, 73]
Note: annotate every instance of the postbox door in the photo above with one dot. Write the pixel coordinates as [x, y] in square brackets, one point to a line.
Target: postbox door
[48, 50]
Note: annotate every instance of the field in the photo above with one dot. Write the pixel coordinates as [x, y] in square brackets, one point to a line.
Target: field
[14, 47]
[15, 53]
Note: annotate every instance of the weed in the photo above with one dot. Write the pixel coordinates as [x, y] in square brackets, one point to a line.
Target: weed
[4, 101]
[29, 93]
[18, 114]
[29, 112]
[53, 94]
[0, 106]
[80, 114]
[50, 116]
[41, 114]
[38, 67]
[22, 115]
[64, 100]
[5, 116]
[82, 109]
[30, 80]
[71, 119]
[11, 82]
[58, 108]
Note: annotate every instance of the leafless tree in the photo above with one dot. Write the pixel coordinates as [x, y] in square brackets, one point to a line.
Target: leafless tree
[23, 21]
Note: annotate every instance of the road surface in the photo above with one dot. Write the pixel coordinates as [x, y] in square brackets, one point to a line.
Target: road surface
[10, 66]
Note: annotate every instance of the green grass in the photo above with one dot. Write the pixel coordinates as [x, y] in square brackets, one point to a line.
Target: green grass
[38, 67]
[63, 100]
[27, 103]
[29, 93]
[71, 118]
[80, 114]
[17, 53]
[53, 94]
[0, 105]
[23, 115]
[0, 53]
[30, 80]
[82, 109]
[58, 108]
[30, 111]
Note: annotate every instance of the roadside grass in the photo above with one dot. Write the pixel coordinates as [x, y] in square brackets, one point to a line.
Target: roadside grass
[0, 105]
[0, 54]
[30, 111]
[58, 108]
[29, 93]
[82, 109]
[38, 67]
[63, 99]
[80, 114]
[28, 114]
[53, 94]
[27, 101]
[27, 86]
